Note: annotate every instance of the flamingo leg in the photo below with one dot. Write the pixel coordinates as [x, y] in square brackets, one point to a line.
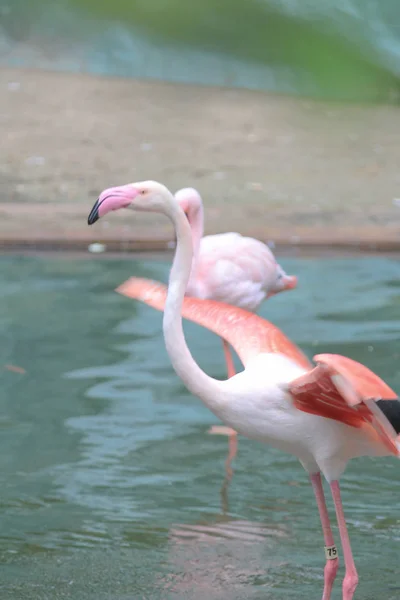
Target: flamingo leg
[232, 451]
[229, 359]
[332, 562]
[351, 577]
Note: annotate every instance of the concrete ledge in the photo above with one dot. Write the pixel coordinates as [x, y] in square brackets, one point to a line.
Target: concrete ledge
[296, 172]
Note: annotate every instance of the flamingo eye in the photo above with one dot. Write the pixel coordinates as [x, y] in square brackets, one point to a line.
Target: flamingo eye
[143, 192]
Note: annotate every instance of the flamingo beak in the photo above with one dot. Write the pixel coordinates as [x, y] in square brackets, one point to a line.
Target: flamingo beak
[112, 199]
[289, 282]
[94, 213]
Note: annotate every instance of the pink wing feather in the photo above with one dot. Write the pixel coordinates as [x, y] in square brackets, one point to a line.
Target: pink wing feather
[246, 332]
[343, 389]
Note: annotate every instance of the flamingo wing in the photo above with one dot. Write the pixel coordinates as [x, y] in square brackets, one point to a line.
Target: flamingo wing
[342, 389]
[365, 382]
[246, 332]
[337, 388]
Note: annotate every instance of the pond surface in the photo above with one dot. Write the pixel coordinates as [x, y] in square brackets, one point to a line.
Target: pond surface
[110, 486]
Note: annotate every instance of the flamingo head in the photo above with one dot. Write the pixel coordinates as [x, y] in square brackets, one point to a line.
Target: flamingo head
[189, 200]
[149, 196]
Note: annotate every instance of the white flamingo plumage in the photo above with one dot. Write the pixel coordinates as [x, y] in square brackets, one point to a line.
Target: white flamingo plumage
[324, 414]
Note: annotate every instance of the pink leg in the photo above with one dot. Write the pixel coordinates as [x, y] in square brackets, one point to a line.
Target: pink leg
[351, 578]
[229, 359]
[332, 563]
[233, 436]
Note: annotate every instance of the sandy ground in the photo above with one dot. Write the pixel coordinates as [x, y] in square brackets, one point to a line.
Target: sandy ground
[289, 170]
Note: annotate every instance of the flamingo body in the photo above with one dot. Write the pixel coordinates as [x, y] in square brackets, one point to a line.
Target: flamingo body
[238, 270]
[280, 399]
[229, 267]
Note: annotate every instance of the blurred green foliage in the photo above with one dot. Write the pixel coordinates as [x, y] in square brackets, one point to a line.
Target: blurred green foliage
[254, 30]
[325, 62]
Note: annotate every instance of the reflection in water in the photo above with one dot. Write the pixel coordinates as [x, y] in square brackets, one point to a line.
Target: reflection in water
[213, 557]
[224, 494]
[225, 526]
[211, 560]
[103, 450]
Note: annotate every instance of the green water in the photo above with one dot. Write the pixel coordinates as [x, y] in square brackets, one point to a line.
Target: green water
[110, 487]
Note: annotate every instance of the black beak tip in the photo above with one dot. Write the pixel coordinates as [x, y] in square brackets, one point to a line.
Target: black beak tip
[94, 214]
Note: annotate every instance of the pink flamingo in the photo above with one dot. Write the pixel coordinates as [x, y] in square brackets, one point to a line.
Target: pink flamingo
[238, 270]
[324, 414]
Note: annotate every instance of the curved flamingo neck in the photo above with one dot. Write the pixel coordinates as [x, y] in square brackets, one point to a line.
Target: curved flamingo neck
[195, 216]
[210, 390]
